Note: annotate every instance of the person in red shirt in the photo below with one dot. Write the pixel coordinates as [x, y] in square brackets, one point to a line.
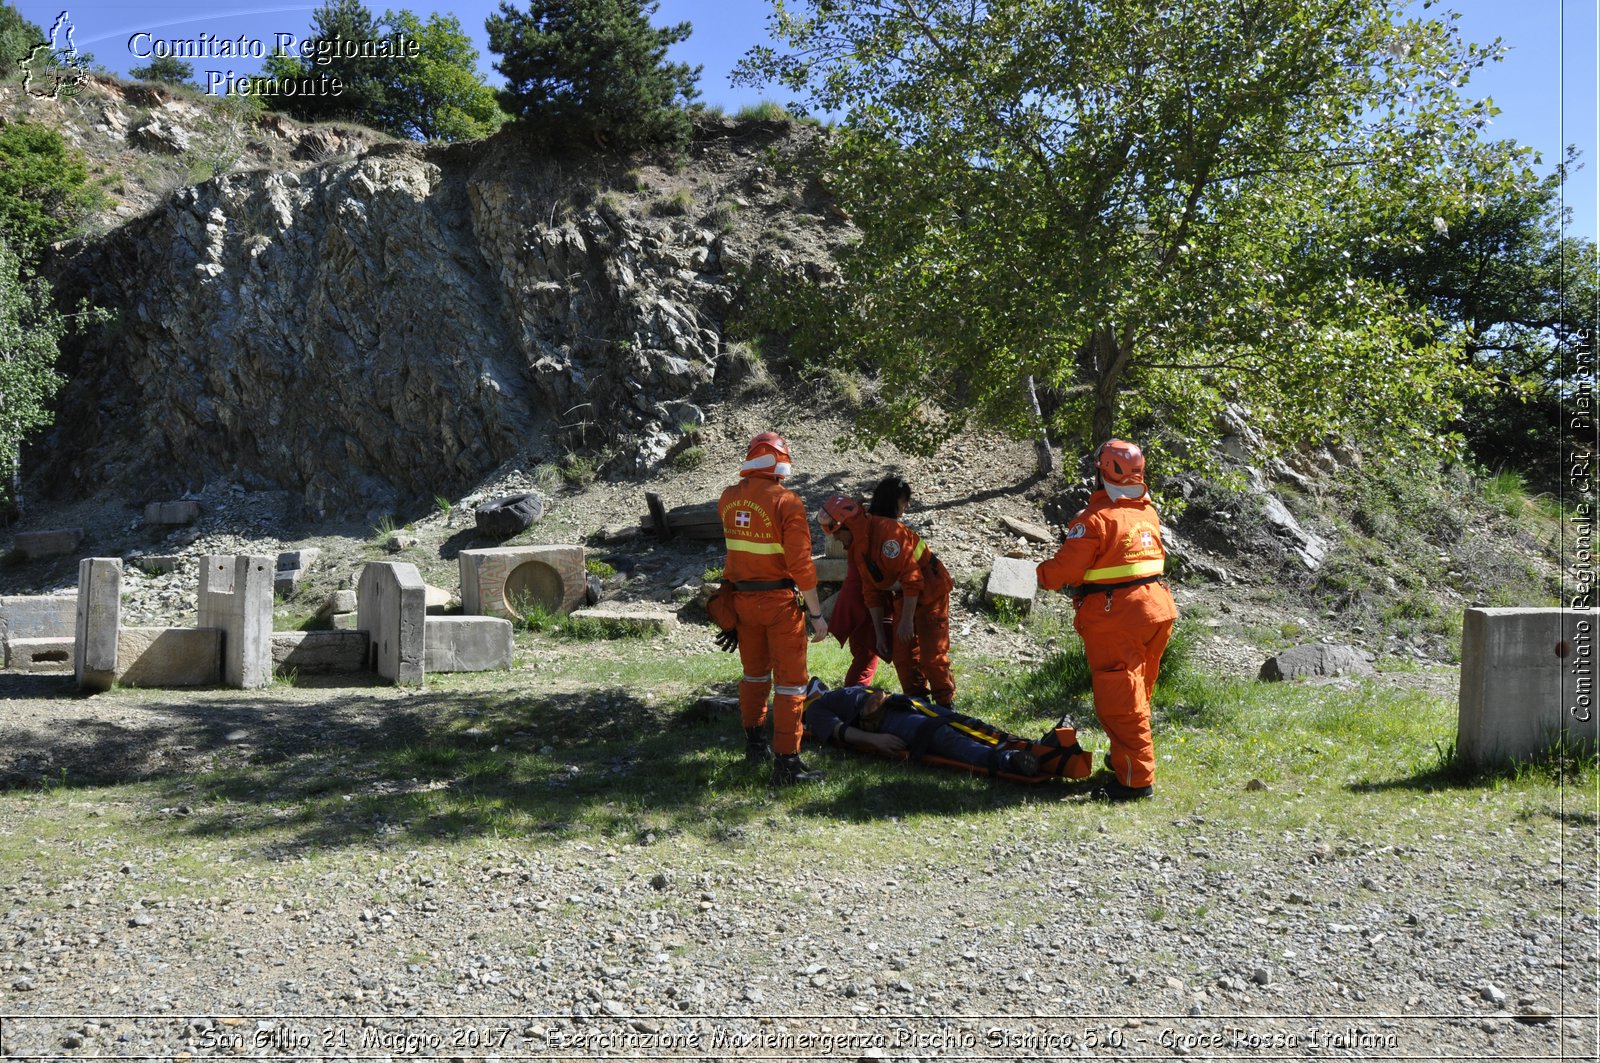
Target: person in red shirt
[1111, 561]
[769, 558]
[849, 622]
[889, 554]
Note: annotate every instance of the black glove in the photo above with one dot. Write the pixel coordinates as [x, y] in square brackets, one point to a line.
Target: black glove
[728, 640]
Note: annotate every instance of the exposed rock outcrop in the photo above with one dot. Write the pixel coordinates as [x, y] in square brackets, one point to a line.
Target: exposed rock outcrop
[380, 329]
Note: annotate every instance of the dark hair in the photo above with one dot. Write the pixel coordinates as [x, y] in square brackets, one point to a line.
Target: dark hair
[888, 495]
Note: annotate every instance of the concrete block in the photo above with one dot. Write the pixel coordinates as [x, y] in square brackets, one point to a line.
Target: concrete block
[338, 602]
[1014, 580]
[236, 597]
[38, 616]
[52, 654]
[467, 643]
[38, 544]
[292, 568]
[169, 656]
[320, 652]
[97, 620]
[391, 607]
[629, 620]
[1527, 682]
[172, 513]
[495, 582]
[345, 622]
[831, 569]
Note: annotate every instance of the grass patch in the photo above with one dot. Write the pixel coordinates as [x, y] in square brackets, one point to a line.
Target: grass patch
[675, 205]
[764, 111]
[689, 458]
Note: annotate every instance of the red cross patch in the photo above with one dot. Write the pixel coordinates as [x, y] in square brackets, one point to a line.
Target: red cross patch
[741, 518]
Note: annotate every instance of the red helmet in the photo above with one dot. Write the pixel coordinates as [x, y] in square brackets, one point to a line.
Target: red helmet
[1120, 463]
[768, 456]
[837, 510]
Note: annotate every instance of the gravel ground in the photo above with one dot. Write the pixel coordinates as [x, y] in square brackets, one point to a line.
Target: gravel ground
[1088, 931]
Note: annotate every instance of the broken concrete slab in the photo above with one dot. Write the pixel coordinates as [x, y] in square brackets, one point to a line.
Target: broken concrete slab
[391, 608]
[1014, 580]
[629, 619]
[1315, 660]
[236, 597]
[98, 617]
[1034, 533]
[504, 581]
[1526, 683]
[320, 652]
[169, 656]
[172, 513]
[345, 622]
[467, 643]
[41, 544]
[48, 654]
[38, 616]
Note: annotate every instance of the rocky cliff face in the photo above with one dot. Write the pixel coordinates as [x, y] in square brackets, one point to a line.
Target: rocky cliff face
[381, 328]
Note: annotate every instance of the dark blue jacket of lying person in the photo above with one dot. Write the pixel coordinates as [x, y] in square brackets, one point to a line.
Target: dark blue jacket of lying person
[894, 725]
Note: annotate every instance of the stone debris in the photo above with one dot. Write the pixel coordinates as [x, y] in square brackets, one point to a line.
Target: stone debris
[1321, 659]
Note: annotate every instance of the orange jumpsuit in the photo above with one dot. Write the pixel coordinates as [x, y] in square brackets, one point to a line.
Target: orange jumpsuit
[769, 541]
[1124, 628]
[887, 552]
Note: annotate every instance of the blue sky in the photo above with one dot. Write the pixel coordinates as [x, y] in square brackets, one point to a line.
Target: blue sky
[1546, 86]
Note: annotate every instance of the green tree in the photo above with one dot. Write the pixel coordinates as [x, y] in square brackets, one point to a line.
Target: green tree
[18, 37]
[338, 26]
[438, 95]
[30, 331]
[44, 189]
[435, 94]
[1148, 207]
[1515, 296]
[593, 72]
[166, 68]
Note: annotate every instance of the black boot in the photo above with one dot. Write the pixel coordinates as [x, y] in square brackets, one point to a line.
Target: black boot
[790, 769]
[756, 750]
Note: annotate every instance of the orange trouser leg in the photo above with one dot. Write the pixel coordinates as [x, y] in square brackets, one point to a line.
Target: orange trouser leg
[1117, 661]
[926, 658]
[773, 627]
[757, 660]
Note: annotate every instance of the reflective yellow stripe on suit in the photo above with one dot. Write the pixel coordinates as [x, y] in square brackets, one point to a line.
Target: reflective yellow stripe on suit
[1116, 572]
[754, 548]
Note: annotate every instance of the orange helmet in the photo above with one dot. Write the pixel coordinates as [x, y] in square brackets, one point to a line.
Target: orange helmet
[768, 456]
[837, 510]
[1120, 463]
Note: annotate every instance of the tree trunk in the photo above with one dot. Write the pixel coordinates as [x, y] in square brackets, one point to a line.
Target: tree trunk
[1045, 454]
[1110, 359]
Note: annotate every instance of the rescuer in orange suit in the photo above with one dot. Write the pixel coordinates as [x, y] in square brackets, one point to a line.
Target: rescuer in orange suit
[887, 553]
[769, 559]
[1111, 562]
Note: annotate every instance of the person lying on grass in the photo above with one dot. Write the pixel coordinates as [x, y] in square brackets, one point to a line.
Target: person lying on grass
[899, 726]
